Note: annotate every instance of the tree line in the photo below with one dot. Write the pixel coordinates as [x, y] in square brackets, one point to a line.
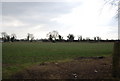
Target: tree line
[52, 37]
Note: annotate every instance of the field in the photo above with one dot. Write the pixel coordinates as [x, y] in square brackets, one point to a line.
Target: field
[19, 55]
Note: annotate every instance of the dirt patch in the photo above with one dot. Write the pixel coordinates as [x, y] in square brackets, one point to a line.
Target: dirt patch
[87, 68]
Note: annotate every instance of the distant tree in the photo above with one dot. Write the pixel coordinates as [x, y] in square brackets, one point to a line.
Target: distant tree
[50, 38]
[4, 34]
[8, 38]
[80, 38]
[60, 37]
[53, 35]
[87, 38]
[5, 37]
[70, 37]
[98, 38]
[94, 38]
[30, 37]
[13, 37]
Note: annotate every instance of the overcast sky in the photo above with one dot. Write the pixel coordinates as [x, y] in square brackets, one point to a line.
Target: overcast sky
[88, 18]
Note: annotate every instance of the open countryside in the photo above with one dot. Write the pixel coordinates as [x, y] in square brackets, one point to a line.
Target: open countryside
[66, 40]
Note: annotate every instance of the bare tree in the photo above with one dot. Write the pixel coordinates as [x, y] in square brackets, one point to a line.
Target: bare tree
[50, 36]
[13, 37]
[94, 38]
[30, 37]
[79, 37]
[53, 35]
[4, 36]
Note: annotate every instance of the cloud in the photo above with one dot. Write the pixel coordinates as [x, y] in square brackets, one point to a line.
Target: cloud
[32, 16]
[11, 22]
[33, 8]
[85, 20]
[33, 12]
[78, 17]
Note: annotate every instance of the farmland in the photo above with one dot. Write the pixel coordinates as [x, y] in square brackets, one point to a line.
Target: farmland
[16, 56]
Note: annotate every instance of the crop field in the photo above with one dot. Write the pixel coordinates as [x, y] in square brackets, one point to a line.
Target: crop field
[16, 56]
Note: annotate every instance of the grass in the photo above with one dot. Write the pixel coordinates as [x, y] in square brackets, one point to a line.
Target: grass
[18, 55]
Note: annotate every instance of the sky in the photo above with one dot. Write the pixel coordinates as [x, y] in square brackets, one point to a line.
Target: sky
[88, 18]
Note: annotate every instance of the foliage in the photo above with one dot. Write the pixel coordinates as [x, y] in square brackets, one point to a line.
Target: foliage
[70, 37]
[8, 38]
[13, 37]
[53, 35]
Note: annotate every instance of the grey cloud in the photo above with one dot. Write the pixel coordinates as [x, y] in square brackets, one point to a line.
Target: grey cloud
[33, 14]
[35, 17]
[27, 8]
[36, 12]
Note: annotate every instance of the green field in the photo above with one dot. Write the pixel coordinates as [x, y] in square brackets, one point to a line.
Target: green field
[19, 55]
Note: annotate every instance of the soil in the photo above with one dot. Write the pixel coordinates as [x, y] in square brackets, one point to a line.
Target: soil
[79, 68]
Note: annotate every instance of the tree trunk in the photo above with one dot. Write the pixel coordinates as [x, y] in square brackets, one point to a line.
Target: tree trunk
[116, 60]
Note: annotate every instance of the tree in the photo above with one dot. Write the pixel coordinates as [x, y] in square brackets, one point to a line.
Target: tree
[98, 38]
[50, 36]
[53, 35]
[13, 37]
[30, 37]
[94, 38]
[60, 38]
[5, 36]
[8, 38]
[87, 38]
[70, 37]
[80, 38]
